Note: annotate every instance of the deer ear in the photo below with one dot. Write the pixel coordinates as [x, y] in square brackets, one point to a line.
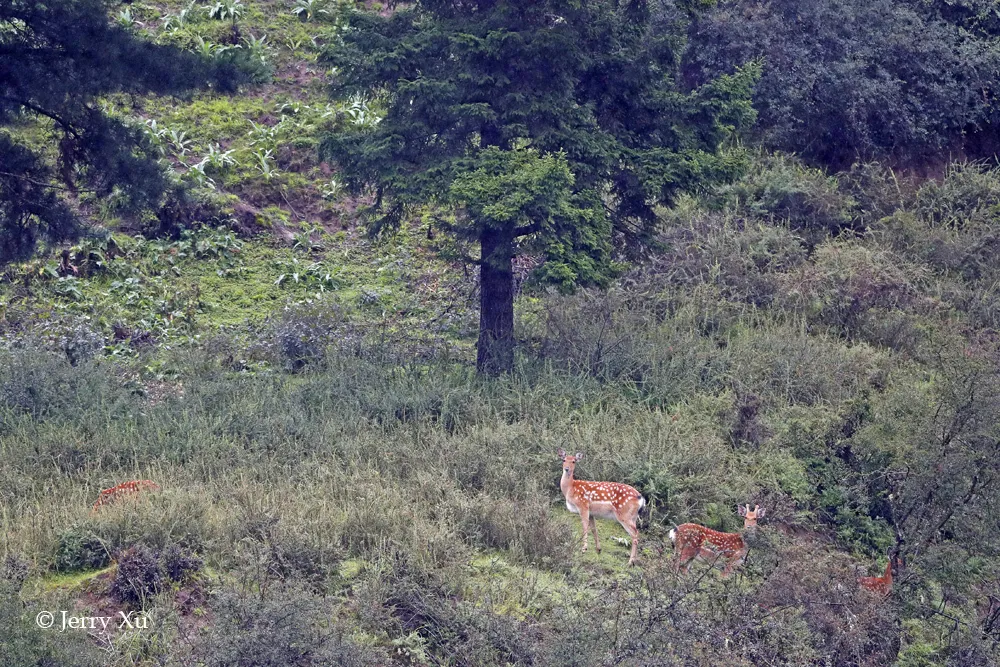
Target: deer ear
[579, 455]
[561, 453]
[760, 512]
[742, 509]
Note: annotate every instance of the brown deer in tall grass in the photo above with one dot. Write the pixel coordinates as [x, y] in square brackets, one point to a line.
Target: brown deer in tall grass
[881, 586]
[692, 541]
[133, 488]
[606, 500]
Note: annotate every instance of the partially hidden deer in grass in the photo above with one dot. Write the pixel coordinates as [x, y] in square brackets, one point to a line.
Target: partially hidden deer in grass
[605, 500]
[881, 586]
[692, 541]
[133, 488]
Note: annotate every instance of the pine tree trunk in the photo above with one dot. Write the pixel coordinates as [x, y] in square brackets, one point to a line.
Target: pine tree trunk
[496, 303]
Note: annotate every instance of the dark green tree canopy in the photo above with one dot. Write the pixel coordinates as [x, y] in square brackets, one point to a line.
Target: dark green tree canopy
[56, 59]
[859, 79]
[593, 79]
[553, 127]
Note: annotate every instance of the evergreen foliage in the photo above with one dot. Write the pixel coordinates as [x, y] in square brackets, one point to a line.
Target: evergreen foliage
[858, 79]
[571, 109]
[56, 60]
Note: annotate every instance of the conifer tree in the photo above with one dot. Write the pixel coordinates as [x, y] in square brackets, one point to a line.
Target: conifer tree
[57, 58]
[551, 127]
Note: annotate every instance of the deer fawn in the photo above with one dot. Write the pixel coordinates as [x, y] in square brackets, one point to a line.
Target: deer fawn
[108, 496]
[881, 586]
[694, 541]
[607, 500]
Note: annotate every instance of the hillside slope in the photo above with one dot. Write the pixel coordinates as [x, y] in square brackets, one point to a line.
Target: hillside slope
[336, 486]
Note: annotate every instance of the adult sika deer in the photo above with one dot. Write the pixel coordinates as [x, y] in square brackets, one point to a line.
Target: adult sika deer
[693, 541]
[607, 500]
[881, 586]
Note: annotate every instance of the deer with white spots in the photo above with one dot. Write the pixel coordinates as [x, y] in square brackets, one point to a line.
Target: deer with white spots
[693, 541]
[605, 500]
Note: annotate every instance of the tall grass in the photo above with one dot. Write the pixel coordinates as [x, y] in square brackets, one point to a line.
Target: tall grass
[410, 511]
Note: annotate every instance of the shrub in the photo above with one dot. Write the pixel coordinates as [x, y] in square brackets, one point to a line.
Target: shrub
[45, 386]
[967, 196]
[743, 258]
[401, 598]
[276, 551]
[144, 572]
[13, 572]
[79, 341]
[283, 626]
[180, 565]
[139, 576]
[302, 335]
[24, 644]
[81, 549]
[523, 527]
[782, 189]
[849, 282]
[849, 79]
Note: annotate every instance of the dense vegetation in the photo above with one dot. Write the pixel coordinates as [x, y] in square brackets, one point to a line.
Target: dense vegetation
[552, 128]
[910, 82]
[339, 486]
[56, 59]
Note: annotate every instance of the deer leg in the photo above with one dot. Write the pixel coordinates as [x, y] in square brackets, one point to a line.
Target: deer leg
[684, 558]
[734, 560]
[597, 542]
[634, 534]
[585, 518]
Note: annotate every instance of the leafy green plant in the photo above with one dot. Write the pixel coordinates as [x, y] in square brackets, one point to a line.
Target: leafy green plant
[359, 113]
[156, 135]
[174, 22]
[125, 19]
[313, 275]
[257, 47]
[309, 10]
[227, 10]
[196, 174]
[264, 163]
[304, 240]
[333, 189]
[178, 139]
[217, 160]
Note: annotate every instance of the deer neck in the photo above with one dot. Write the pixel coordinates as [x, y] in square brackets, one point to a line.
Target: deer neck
[888, 572]
[566, 483]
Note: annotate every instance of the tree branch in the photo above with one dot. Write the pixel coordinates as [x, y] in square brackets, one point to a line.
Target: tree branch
[43, 184]
[527, 229]
[48, 114]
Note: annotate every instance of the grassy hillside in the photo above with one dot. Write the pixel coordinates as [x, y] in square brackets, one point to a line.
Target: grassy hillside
[338, 487]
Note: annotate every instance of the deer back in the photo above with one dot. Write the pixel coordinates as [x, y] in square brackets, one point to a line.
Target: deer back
[619, 495]
[694, 536]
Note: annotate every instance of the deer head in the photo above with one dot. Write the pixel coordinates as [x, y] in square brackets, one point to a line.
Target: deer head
[750, 517]
[569, 461]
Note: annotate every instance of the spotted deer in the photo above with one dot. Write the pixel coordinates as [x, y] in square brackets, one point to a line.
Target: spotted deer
[108, 496]
[693, 541]
[881, 586]
[605, 500]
